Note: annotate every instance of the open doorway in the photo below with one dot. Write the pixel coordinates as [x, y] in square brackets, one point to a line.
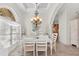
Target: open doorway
[55, 27]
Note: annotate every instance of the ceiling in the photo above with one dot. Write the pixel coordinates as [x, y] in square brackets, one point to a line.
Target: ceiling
[32, 5]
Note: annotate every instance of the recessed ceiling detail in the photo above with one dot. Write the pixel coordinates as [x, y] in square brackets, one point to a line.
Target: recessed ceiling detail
[32, 5]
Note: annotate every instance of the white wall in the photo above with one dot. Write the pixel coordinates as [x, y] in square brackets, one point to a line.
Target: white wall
[73, 14]
[63, 27]
[65, 17]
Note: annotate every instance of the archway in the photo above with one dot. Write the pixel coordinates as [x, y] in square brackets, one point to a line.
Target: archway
[12, 14]
[7, 13]
[53, 15]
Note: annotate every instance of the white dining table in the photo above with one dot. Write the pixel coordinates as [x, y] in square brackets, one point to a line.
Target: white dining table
[39, 38]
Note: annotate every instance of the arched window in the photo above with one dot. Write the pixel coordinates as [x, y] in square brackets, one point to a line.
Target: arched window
[6, 12]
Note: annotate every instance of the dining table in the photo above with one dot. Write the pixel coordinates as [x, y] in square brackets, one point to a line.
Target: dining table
[38, 38]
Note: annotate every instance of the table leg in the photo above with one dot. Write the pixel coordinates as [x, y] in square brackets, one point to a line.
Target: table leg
[51, 48]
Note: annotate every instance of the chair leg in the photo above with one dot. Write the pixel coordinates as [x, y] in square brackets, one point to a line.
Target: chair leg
[24, 53]
[33, 53]
[45, 53]
[51, 48]
[36, 53]
[55, 48]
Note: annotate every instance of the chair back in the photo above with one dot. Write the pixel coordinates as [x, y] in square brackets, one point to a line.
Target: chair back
[55, 35]
[41, 44]
[29, 44]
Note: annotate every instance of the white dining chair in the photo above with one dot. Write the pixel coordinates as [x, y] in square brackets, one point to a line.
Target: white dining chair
[55, 35]
[29, 46]
[41, 45]
[53, 42]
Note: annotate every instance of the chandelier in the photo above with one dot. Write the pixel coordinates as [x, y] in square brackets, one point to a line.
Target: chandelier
[36, 20]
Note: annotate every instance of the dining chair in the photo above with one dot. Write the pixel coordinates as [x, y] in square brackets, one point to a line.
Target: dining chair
[41, 45]
[55, 35]
[53, 43]
[29, 46]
